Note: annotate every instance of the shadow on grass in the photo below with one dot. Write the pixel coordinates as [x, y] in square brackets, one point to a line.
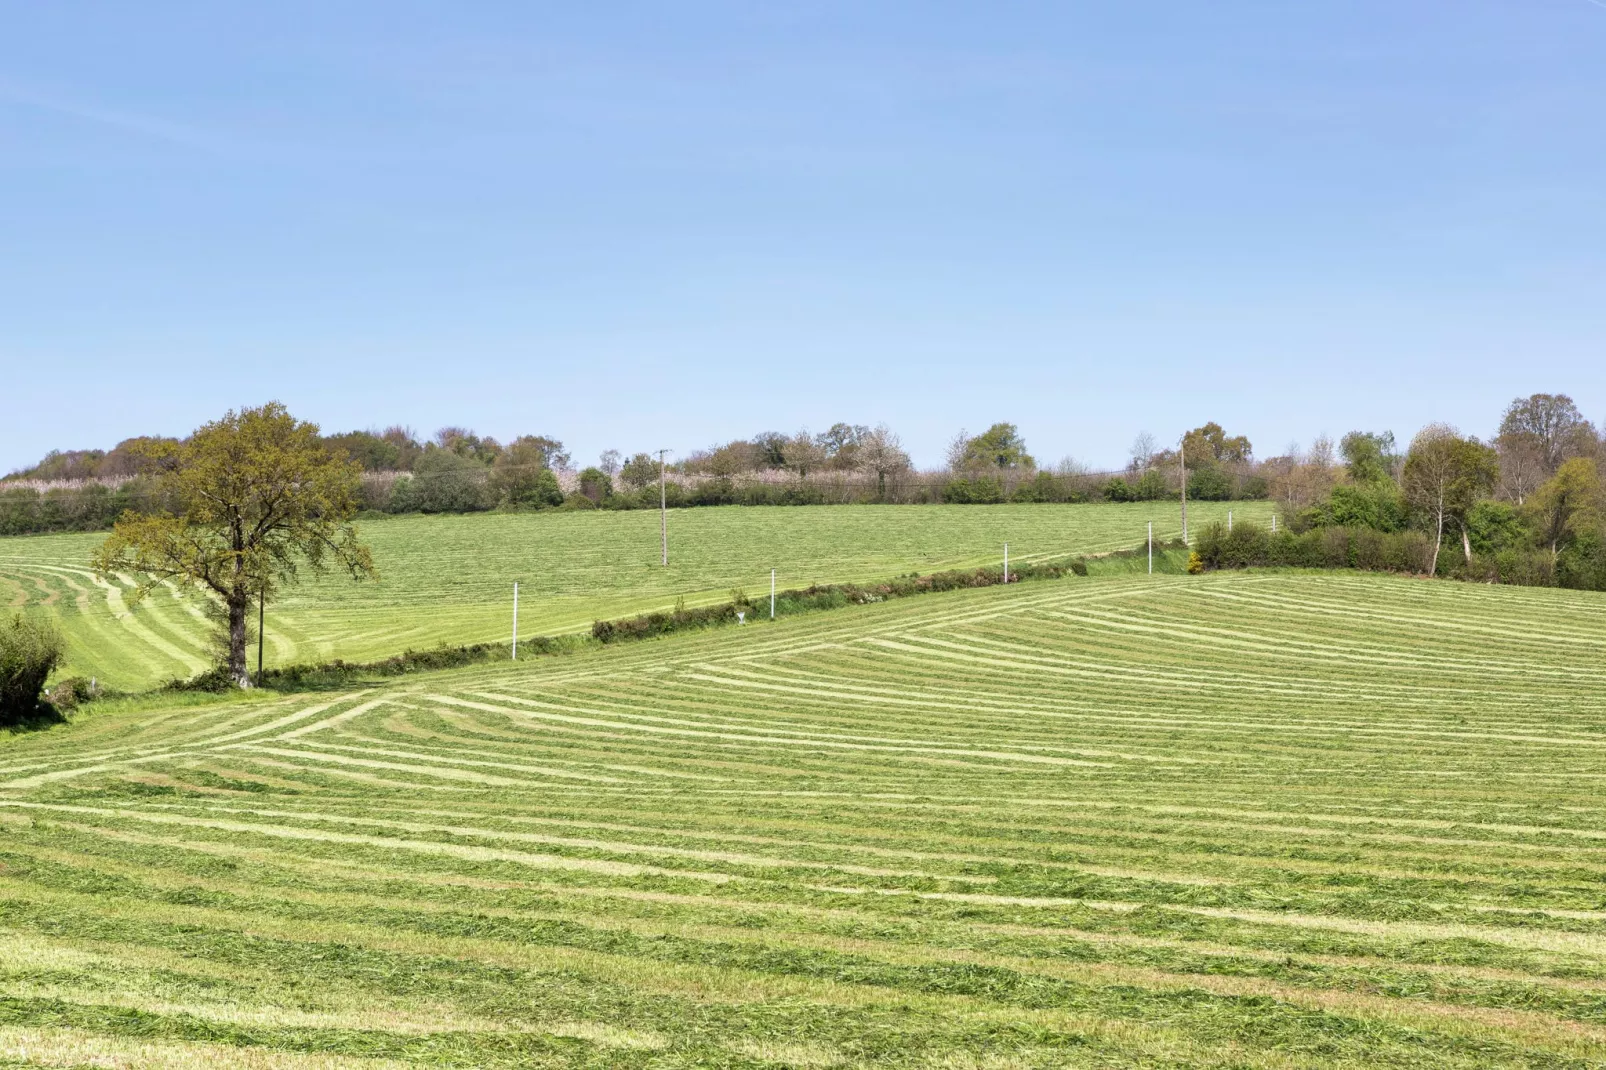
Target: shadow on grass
[40, 718]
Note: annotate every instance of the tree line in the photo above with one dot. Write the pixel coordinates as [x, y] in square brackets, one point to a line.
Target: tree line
[1528, 506]
[1489, 499]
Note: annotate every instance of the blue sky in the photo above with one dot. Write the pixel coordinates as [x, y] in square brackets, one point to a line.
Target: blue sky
[636, 225]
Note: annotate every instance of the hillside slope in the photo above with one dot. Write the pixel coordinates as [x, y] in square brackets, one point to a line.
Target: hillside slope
[1277, 820]
[449, 579]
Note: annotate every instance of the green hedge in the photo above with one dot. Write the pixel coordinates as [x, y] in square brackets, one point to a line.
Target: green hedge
[1581, 566]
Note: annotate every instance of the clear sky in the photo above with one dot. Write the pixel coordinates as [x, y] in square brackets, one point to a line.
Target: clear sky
[636, 225]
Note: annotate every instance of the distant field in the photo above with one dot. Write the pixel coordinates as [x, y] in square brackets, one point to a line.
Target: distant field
[1267, 820]
[449, 578]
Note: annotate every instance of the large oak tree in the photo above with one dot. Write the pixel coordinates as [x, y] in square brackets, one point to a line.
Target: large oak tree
[249, 500]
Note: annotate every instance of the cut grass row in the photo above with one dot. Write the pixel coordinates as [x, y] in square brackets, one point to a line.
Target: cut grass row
[1267, 820]
[448, 579]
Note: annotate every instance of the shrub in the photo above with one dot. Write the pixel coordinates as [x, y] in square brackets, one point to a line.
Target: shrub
[1151, 487]
[1195, 564]
[444, 482]
[1207, 484]
[1119, 490]
[71, 693]
[1582, 565]
[981, 490]
[1495, 526]
[1361, 505]
[595, 484]
[1249, 545]
[30, 649]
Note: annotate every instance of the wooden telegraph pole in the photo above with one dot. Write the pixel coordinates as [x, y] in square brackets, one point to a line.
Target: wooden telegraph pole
[1182, 459]
[663, 507]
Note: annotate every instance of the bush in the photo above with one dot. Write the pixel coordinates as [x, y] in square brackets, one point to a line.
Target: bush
[1249, 545]
[1118, 490]
[30, 649]
[1582, 565]
[1360, 505]
[982, 490]
[443, 482]
[595, 484]
[1151, 487]
[1208, 484]
[1493, 527]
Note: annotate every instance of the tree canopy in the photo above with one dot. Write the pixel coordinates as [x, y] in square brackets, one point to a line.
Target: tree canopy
[999, 447]
[250, 499]
[1210, 444]
[1444, 477]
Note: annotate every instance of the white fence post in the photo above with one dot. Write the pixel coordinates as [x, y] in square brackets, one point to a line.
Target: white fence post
[515, 620]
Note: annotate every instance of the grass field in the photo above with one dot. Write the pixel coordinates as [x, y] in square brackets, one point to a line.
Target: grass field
[449, 578]
[1241, 819]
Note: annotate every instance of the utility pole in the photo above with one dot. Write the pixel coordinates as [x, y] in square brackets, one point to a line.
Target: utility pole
[1006, 562]
[1151, 547]
[515, 620]
[262, 601]
[663, 506]
[772, 594]
[1182, 459]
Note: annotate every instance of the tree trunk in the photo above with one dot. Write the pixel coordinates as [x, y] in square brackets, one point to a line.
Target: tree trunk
[1438, 540]
[238, 608]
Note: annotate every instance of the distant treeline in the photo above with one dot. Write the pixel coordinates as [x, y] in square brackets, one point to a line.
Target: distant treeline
[1525, 506]
[458, 471]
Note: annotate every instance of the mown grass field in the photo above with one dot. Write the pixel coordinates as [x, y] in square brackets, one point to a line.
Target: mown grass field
[449, 579]
[1240, 819]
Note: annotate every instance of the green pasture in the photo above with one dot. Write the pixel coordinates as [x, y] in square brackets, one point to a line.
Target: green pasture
[1234, 820]
[449, 579]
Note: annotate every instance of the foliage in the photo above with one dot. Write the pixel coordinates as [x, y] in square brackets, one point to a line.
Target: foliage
[827, 596]
[979, 490]
[1369, 457]
[444, 482]
[1150, 487]
[1204, 484]
[639, 471]
[595, 485]
[1569, 504]
[30, 649]
[1548, 424]
[1582, 564]
[368, 449]
[881, 453]
[1444, 476]
[1210, 445]
[1116, 489]
[1496, 527]
[1377, 504]
[255, 496]
[999, 447]
[1249, 544]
